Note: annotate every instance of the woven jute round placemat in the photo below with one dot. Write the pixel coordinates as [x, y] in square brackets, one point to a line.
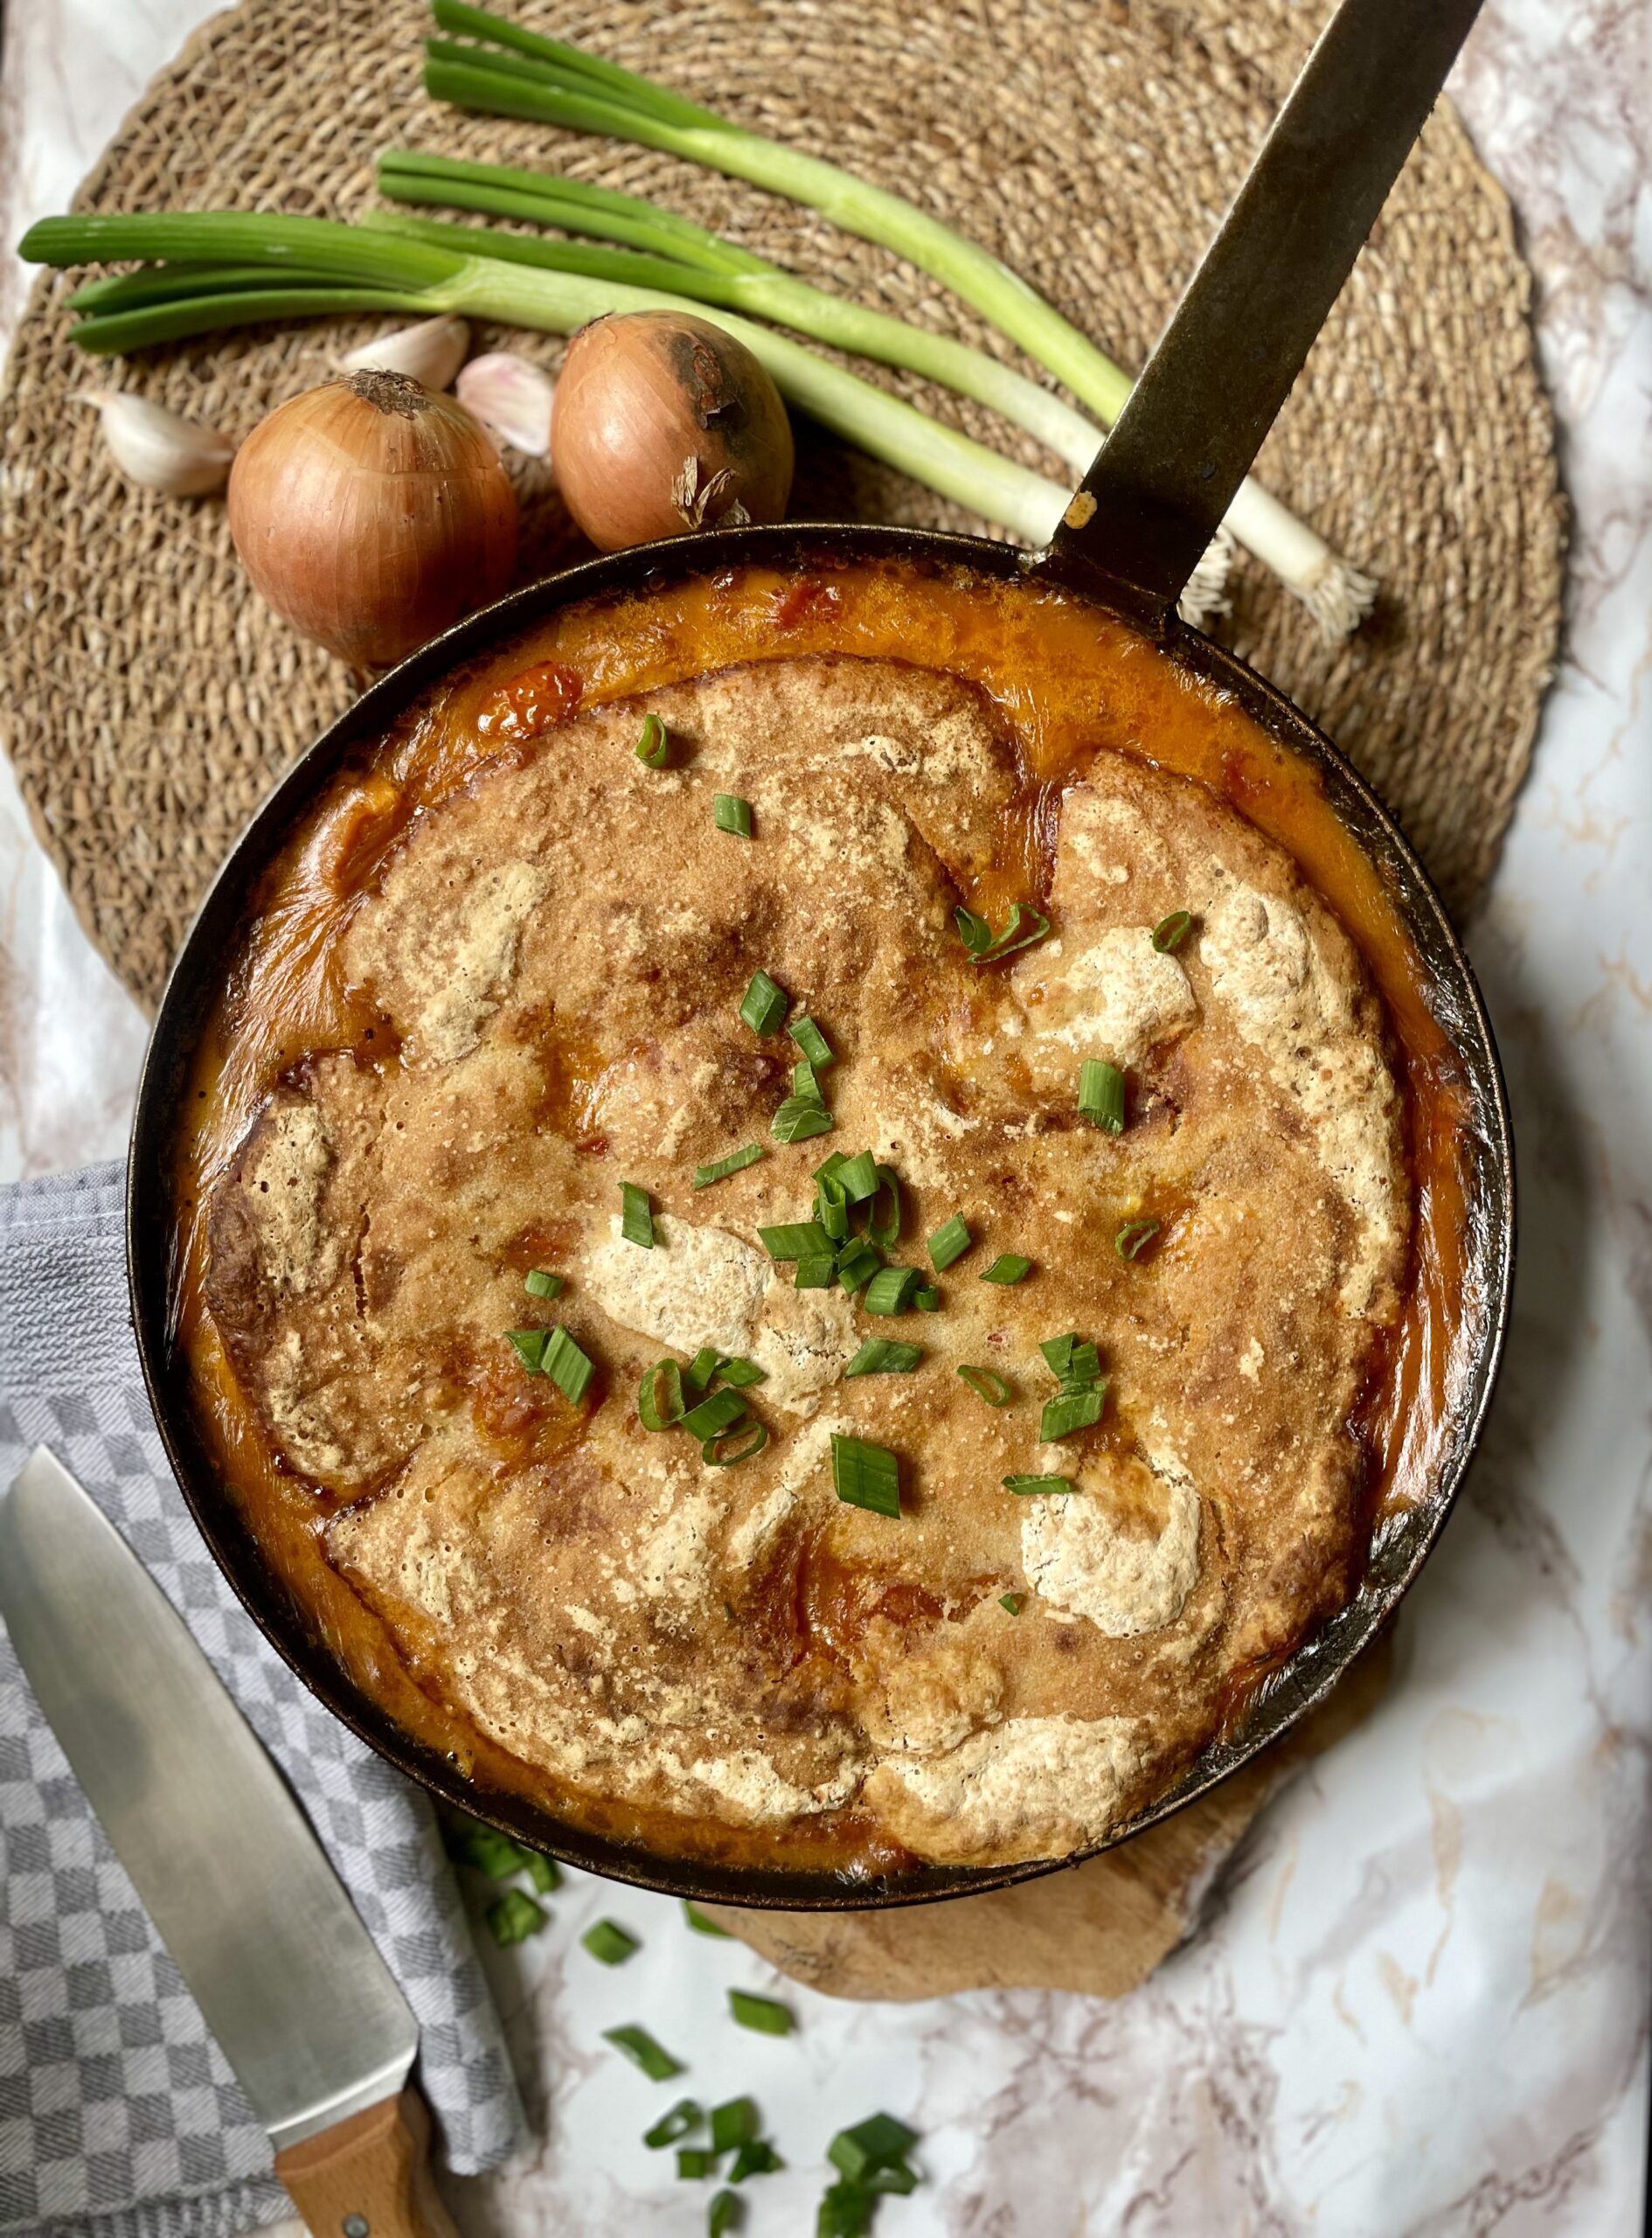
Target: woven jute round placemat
[150, 698]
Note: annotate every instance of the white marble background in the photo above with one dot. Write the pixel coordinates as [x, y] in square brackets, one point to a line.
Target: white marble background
[1419, 2007]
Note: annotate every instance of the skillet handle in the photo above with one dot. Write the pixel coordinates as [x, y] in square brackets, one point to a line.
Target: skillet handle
[369, 2176]
[1160, 484]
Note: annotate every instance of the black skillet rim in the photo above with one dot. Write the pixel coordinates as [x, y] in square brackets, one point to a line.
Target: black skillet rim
[1402, 1543]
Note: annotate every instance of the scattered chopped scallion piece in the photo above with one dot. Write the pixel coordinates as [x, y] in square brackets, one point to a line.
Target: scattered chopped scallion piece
[1101, 1095]
[695, 2160]
[731, 813]
[884, 1356]
[484, 1849]
[642, 2051]
[858, 1263]
[714, 1414]
[883, 1226]
[1015, 1602]
[846, 2210]
[798, 1118]
[988, 1384]
[701, 1925]
[540, 1284]
[984, 946]
[831, 1207]
[1073, 1410]
[795, 1240]
[890, 1290]
[927, 1301]
[545, 1875]
[764, 2014]
[636, 1215]
[724, 2215]
[949, 1241]
[683, 2120]
[514, 1916]
[701, 1372]
[1133, 1238]
[530, 1347]
[653, 748]
[866, 1476]
[757, 2158]
[815, 1274]
[734, 2123]
[812, 1042]
[659, 1396]
[1023, 1487]
[755, 1435]
[857, 1178]
[878, 2141]
[764, 1005]
[1169, 933]
[1007, 1267]
[742, 1372]
[1072, 1362]
[736, 1161]
[566, 1366]
[611, 1943]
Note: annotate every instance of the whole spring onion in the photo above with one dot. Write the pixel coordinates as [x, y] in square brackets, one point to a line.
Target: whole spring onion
[523, 73]
[311, 266]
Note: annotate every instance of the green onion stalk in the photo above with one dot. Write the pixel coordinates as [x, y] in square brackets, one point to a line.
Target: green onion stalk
[522, 73]
[302, 266]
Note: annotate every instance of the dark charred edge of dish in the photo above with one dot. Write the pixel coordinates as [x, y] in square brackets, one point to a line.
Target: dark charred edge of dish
[1401, 1544]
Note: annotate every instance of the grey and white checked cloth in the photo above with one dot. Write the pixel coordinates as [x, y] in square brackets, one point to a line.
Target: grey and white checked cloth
[119, 2118]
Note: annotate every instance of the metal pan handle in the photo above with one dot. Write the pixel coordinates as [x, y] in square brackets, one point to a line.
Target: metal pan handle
[1161, 483]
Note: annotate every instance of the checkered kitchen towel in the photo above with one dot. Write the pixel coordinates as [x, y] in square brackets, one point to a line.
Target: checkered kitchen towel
[118, 2115]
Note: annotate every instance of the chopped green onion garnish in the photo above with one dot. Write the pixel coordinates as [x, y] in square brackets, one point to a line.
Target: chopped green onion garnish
[798, 1118]
[484, 1849]
[530, 1347]
[514, 1916]
[714, 1414]
[815, 1274]
[884, 1356]
[857, 1178]
[742, 1372]
[949, 1243]
[866, 1476]
[757, 2158]
[1101, 1095]
[731, 813]
[1023, 1487]
[831, 1207]
[927, 1301]
[612, 1945]
[890, 1290]
[755, 1435]
[795, 1240]
[1073, 1410]
[701, 1925]
[695, 2160]
[1133, 1238]
[636, 1215]
[883, 1216]
[985, 945]
[846, 2210]
[1072, 1361]
[1013, 1601]
[545, 1875]
[655, 746]
[539, 1284]
[812, 1042]
[988, 1384]
[805, 1083]
[683, 2120]
[701, 1372]
[735, 2123]
[763, 1004]
[659, 1396]
[858, 1263]
[765, 2014]
[1007, 1267]
[641, 2050]
[736, 1161]
[724, 2215]
[566, 1366]
[1169, 933]
[878, 2143]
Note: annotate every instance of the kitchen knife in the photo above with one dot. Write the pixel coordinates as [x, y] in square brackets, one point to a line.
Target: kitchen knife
[288, 1978]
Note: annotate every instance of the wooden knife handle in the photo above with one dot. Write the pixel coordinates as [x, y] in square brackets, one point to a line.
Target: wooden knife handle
[369, 2176]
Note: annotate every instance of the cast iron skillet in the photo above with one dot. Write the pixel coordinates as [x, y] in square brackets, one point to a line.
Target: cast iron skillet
[1129, 542]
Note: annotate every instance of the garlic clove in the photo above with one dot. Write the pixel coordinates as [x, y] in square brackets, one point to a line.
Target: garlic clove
[430, 353]
[512, 397]
[160, 450]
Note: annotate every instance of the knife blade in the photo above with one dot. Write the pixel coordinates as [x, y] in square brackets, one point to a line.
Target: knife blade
[286, 1977]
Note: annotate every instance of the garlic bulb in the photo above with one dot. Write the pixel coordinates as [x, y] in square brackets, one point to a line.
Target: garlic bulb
[160, 450]
[430, 353]
[512, 397]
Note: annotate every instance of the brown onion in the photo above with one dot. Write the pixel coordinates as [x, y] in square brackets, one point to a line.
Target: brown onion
[372, 513]
[664, 423]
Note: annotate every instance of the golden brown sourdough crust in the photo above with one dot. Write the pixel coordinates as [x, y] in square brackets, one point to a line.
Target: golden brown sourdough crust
[559, 953]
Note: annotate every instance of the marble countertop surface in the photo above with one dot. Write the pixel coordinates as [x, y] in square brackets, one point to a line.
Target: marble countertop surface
[1418, 2005]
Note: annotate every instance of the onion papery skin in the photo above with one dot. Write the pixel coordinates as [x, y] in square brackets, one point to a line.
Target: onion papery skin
[372, 513]
[665, 423]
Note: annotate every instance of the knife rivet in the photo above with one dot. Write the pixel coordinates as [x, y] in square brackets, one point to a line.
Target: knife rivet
[355, 2226]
